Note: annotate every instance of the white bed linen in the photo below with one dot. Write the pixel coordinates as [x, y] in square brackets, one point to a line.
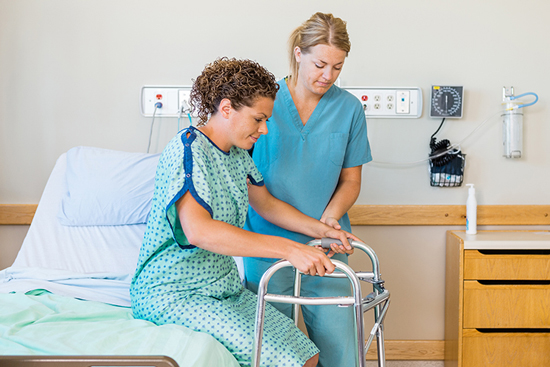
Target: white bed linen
[86, 258]
[92, 262]
[48, 244]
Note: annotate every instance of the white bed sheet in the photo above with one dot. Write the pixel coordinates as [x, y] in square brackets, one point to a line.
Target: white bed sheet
[91, 262]
[73, 261]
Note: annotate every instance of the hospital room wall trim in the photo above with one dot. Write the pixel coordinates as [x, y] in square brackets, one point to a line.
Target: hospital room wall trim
[17, 213]
[381, 215]
[448, 215]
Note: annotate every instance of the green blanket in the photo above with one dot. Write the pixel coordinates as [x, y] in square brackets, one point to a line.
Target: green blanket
[41, 323]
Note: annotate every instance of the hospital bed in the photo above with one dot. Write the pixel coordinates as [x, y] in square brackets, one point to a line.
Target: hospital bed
[65, 299]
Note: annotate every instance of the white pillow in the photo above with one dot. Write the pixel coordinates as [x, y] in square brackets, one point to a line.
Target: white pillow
[107, 187]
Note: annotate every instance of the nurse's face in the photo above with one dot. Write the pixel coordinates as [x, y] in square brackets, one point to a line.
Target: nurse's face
[249, 123]
[320, 67]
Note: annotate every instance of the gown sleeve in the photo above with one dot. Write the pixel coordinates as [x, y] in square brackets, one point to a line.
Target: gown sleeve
[185, 167]
[253, 174]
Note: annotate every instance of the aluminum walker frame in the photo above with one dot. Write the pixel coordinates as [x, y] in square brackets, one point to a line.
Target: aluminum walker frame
[379, 300]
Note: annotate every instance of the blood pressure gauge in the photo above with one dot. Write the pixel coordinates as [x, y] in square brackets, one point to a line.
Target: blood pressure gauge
[446, 101]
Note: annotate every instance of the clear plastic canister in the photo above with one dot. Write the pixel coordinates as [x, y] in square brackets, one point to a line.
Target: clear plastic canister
[512, 133]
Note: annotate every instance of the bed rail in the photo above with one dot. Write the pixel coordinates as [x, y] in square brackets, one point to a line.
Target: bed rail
[86, 361]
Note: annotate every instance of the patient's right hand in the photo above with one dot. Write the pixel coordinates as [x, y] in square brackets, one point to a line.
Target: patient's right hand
[310, 260]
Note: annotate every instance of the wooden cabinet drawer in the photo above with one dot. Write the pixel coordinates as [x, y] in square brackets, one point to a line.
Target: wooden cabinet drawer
[517, 265]
[506, 349]
[506, 305]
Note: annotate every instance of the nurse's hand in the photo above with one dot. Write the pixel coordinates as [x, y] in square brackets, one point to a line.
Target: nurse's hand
[331, 221]
[344, 237]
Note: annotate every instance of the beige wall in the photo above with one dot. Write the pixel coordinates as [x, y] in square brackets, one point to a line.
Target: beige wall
[11, 238]
[71, 71]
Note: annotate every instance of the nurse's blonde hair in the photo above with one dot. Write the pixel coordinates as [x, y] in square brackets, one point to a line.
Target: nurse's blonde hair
[320, 29]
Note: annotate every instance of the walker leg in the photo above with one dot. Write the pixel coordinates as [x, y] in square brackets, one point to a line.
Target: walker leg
[297, 287]
[259, 327]
[380, 347]
[360, 334]
[380, 338]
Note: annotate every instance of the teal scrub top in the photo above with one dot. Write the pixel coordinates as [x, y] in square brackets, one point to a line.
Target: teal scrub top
[301, 164]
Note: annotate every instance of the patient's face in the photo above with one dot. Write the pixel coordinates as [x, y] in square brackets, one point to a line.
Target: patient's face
[249, 123]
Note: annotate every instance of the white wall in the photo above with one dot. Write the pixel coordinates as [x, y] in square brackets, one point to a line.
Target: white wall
[71, 72]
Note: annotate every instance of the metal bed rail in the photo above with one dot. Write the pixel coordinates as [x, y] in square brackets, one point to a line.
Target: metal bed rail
[86, 361]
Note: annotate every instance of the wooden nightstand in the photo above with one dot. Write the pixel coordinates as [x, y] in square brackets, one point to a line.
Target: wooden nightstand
[497, 299]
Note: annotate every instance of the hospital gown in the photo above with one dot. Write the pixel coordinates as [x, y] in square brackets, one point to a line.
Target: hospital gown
[179, 283]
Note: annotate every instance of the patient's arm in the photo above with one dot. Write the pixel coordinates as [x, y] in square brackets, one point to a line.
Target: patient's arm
[213, 235]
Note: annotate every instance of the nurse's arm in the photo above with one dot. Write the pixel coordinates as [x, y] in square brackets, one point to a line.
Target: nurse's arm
[345, 195]
[286, 216]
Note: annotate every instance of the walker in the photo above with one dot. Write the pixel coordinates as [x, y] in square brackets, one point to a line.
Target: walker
[378, 300]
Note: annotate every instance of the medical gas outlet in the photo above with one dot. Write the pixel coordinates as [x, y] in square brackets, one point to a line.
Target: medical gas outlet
[389, 102]
[165, 101]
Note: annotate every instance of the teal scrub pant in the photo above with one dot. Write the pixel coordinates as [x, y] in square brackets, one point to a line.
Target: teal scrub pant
[330, 327]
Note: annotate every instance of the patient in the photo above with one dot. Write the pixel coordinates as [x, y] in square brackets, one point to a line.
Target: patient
[204, 183]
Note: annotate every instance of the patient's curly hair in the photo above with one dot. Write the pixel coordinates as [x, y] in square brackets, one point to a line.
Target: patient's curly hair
[240, 81]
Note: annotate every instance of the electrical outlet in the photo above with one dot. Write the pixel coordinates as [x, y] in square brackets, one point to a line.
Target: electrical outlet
[387, 102]
[172, 98]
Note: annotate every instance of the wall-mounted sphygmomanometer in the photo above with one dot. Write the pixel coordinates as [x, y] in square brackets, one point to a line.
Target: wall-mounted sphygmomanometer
[446, 163]
[446, 101]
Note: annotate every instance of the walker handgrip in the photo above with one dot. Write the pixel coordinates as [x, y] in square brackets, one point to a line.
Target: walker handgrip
[325, 242]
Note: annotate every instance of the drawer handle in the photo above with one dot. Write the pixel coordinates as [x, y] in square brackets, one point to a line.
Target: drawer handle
[514, 282]
[514, 252]
[523, 330]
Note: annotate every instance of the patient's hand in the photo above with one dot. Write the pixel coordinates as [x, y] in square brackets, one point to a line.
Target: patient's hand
[310, 260]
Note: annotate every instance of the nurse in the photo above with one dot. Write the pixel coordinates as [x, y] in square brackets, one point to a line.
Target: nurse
[312, 159]
[204, 183]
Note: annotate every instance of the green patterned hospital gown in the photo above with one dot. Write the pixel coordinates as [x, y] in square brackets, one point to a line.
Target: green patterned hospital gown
[178, 283]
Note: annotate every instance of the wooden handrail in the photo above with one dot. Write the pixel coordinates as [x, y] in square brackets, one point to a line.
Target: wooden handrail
[383, 215]
[17, 213]
[447, 215]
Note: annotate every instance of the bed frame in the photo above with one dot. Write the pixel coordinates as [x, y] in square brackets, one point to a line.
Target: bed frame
[86, 361]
